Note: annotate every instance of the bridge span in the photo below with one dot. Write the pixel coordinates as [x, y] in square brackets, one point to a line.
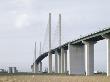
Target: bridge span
[80, 51]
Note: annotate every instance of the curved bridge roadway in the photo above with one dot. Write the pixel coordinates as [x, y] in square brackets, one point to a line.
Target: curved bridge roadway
[96, 36]
[87, 67]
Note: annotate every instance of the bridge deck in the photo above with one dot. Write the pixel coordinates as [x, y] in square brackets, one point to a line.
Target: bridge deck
[96, 36]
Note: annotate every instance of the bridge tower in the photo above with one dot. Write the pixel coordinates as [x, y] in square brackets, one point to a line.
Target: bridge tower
[49, 53]
[58, 54]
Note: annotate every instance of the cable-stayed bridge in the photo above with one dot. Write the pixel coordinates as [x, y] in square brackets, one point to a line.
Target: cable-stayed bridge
[80, 52]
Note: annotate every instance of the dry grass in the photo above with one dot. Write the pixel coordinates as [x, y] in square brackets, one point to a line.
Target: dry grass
[53, 78]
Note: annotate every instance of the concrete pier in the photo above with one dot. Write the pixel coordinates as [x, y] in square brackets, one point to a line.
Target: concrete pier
[50, 62]
[65, 61]
[36, 68]
[76, 59]
[14, 70]
[10, 70]
[40, 67]
[56, 62]
[108, 56]
[89, 57]
[62, 60]
[107, 37]
[59, 62]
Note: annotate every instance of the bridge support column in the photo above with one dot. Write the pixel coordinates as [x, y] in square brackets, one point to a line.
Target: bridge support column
[107, 37]
[65, 61]
[50, 62]
[32, 69]
[108, 56]
[89, 57]
[59, 62]
[35, 68]
[56, 62]
[62, 60]
[76, 59]
[40, 67]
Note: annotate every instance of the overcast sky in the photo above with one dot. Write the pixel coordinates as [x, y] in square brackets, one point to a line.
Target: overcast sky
[22, 22]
